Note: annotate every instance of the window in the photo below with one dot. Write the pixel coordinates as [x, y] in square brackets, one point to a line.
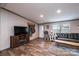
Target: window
[56, 28]
[61, 28]
[65, 28]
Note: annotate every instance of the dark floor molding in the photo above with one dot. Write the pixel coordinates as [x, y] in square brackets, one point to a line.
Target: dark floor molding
[18, 14]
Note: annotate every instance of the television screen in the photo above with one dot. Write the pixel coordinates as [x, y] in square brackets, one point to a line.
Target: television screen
[20, 30]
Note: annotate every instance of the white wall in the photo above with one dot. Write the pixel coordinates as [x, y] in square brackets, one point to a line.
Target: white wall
[74, 26]
[48, 29]
[0, 27]
[8, 21]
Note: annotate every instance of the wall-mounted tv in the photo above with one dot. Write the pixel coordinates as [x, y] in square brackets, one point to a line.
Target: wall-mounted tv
[18, 30]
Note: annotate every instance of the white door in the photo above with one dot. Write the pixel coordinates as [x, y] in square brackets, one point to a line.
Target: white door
[41, 31]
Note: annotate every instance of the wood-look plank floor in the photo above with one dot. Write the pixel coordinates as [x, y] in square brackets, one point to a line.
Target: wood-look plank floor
[38, 47]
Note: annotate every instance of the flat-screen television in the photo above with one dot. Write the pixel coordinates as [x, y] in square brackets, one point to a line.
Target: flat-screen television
[18, 30]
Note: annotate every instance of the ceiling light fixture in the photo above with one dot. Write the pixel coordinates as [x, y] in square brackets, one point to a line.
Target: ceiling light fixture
[41, 15]
[58, 11]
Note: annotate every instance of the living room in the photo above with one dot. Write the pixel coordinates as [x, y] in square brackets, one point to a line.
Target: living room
[39, 29]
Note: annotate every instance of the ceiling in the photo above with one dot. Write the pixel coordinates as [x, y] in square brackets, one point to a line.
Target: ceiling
[32, 11]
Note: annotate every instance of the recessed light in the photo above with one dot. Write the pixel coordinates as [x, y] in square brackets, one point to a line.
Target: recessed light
[41, 15]
[58, 11]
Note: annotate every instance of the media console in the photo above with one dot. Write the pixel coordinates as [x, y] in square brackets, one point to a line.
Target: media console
[18, 40]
